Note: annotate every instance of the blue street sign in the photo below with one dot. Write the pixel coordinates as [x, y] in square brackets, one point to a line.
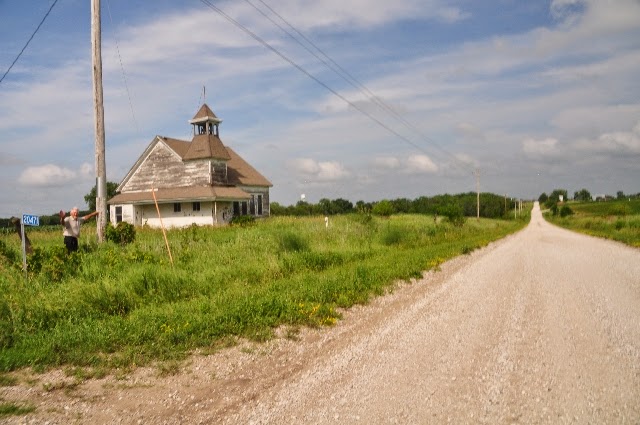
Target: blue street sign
[30, 220]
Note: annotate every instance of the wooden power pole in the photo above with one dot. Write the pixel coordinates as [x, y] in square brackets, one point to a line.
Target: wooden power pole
[477, 174]
[101, 172]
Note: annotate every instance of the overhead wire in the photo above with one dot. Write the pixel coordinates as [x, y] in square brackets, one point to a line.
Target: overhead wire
[124, 76]
[308, 74]
[29, 41]
[349, 78]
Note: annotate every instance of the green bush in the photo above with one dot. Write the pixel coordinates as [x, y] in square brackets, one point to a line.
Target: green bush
[123, 234]
[392, 236]
[620, 210]
[292, 242]
[53, 264]
[566, 211]
[383, 208]
[454, 214]
[243, 220]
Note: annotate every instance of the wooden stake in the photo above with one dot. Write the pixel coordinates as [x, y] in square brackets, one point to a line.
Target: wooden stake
[164, 233]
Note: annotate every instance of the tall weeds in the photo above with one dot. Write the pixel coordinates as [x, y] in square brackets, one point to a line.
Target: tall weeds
[117, 306]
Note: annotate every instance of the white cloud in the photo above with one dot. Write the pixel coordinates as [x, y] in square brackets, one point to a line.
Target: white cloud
[386, 162]
[335, 14]
[320, 171]
[616, 143]
[540, 148]
[86, 170]
[46, 176]
[420, 164]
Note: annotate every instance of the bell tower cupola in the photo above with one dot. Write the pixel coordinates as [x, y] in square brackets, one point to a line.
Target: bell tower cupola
[205, 122]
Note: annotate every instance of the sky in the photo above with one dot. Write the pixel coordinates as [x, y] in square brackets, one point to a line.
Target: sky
[361, 100]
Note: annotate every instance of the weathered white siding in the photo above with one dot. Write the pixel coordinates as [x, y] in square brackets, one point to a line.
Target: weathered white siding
[162, 168]
[211, 213]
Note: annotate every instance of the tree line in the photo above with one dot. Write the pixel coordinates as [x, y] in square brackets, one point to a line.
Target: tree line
[460, 205]
[463, 204]
[582, 195]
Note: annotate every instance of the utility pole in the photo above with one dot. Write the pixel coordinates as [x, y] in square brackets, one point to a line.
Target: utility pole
[101, 172]
[477, 174]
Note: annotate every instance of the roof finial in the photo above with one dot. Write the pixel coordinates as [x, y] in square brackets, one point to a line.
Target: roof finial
[204, 94]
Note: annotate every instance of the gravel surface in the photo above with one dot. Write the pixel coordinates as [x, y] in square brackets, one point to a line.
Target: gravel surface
[540, 327]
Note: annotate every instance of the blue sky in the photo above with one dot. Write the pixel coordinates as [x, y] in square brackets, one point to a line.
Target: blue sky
[537, 95]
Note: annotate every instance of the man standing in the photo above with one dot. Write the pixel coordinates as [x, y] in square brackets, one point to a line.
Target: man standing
[71, 226]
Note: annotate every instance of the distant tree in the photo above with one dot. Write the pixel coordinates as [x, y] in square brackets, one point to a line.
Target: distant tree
[302, 208]
[543, 198]
[620, 195]
[555, 195]
[453, 212]
[324, 205]
[277, 209]
[341, 206]
[363, 207]
[90, 198]
[383, 208]
[401, 205]
[582, 195]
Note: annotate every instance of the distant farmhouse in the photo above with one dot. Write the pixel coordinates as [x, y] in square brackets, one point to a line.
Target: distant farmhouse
[199, 182]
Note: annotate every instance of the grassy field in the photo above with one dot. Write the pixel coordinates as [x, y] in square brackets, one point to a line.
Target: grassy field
[112, 306]
[617, 220]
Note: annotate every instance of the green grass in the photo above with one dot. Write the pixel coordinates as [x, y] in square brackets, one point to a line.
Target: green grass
[617, 220]
[109, 306]
[13, 409]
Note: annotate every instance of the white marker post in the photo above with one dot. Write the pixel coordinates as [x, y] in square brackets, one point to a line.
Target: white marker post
[29, 220]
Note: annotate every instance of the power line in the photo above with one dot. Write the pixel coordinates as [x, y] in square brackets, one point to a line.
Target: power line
[29, 41]
[124, 76]
[349, 78]
[308, 74]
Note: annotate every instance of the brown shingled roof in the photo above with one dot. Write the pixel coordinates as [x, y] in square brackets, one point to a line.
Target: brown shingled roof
[181, 147]
[187, 194]
[206, 146]
[239, 172]
[204, 113]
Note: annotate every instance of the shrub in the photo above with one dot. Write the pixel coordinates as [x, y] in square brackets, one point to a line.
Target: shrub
[6, 325]
[243, 220]
[620, 210]
[53, 264]
[453, 213]
[383, 208]
[123, 234]
[392, 236]
[565, 211]
[292, 242]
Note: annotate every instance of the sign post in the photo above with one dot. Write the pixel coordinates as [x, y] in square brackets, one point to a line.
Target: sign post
[28, 220]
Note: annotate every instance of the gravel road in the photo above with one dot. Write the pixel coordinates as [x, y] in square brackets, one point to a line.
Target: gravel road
[542, 327]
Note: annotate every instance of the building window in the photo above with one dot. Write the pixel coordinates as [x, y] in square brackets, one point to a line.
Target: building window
[177, 207]
[240, 208]
[259, 204]
[196, 206]
[252, 205]
[118, 214]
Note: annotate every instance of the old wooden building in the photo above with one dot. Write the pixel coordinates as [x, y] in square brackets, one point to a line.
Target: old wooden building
[199, 182]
